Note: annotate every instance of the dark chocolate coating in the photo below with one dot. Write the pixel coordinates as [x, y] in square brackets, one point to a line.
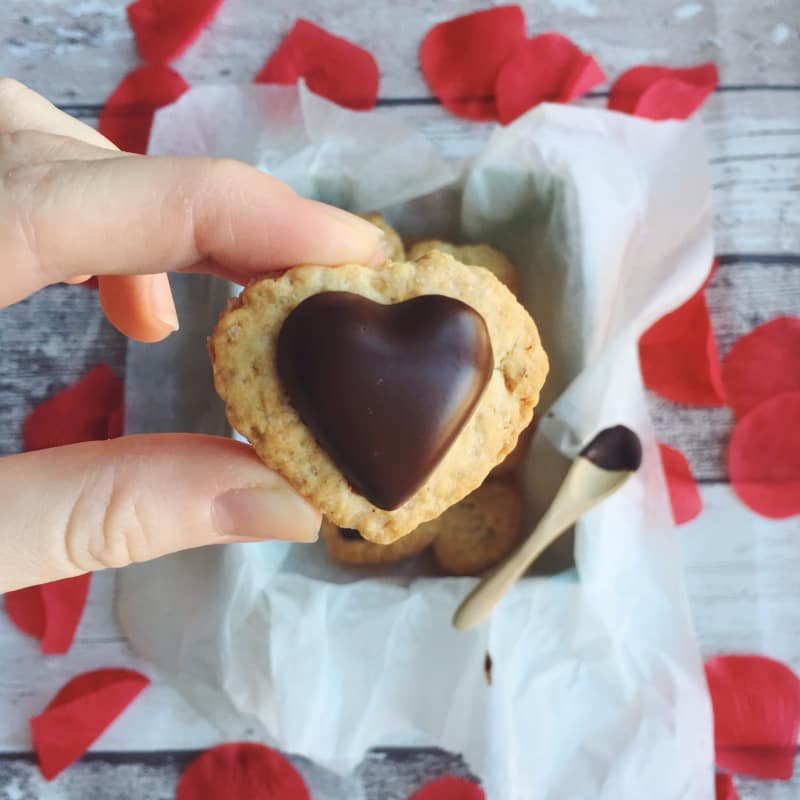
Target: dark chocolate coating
[616, 449]
[385, 389]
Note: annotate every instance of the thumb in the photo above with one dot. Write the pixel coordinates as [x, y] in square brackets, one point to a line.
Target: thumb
[107, 504]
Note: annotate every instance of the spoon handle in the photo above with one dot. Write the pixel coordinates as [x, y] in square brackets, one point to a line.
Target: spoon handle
[480, 602]
[583, 488]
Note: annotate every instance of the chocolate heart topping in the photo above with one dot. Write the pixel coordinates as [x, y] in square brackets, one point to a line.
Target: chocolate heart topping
[385, 389]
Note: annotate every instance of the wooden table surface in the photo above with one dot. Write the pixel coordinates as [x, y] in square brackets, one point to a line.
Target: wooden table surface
[744, 581]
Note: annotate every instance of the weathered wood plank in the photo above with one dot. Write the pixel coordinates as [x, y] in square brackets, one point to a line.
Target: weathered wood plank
[754, 151]
[384, 775]
[89, 47]
[753, 140]
[49, 341]
[741, 295]
[72, 337]
[28, 681]
[742, 574]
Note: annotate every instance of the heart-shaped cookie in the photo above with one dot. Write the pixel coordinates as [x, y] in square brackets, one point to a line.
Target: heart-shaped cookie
[385, 389]
[381, 412]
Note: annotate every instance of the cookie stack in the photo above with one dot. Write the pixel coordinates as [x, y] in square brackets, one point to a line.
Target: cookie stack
[397, 399]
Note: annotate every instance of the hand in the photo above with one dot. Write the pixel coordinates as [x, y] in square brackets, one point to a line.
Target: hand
[72, 205]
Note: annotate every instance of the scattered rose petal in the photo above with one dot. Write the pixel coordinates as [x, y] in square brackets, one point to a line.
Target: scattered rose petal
[762, 364]
[79, 713]
[461, 58]
[165, 28]
[50, 612]
[671, 99]
[764, 457]
[678, 356]
[241, 770]
[449, 787]
[25, 608]
[756, 703]
[725, 788]
[128, 113]
[80, 413]
[683, 495]
[547, 68]
[332, 67]
[663, 92]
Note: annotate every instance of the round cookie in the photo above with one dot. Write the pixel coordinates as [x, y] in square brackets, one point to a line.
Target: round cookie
[393, 247]
[473, 255]
[243, 351]
[480, 531]
[350, 547]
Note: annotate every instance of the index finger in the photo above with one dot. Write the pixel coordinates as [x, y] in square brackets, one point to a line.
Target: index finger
[142, 214]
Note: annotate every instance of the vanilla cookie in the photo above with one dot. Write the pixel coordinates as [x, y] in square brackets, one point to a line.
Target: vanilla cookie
[473, 255]
[347, 545]
[393, 247]
[480, 531]
[383, 396]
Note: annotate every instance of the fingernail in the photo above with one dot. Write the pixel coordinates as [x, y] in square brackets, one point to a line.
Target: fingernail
[361, 226]
[78, 279]
[162, 306]
[265, 512]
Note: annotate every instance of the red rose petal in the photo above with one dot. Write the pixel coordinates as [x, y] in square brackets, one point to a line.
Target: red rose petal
[128, 113]
[79, 713]
[671, 99]
[678, 356]
[25, 608]
[764, 457]
[762, 364]
[683, 495]
[50, 612]
[332, 67]
[461, 59]
[725, 788]
[79, 413]
[241, 770]
[547, 68]
[663, 92]
[449, 787]
[756, 703]
[165, 28]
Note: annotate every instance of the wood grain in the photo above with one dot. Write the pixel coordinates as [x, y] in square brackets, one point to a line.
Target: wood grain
[49, 341]
[742, 573]
[79, 51]
[742, 579]
[153, 776]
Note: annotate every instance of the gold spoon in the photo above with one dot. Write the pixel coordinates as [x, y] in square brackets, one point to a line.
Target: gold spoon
[596, 473]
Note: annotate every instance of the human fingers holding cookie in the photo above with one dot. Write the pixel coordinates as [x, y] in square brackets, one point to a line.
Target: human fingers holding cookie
[72, 205]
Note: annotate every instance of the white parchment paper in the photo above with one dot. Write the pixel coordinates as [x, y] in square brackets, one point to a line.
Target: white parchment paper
[597, 690]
